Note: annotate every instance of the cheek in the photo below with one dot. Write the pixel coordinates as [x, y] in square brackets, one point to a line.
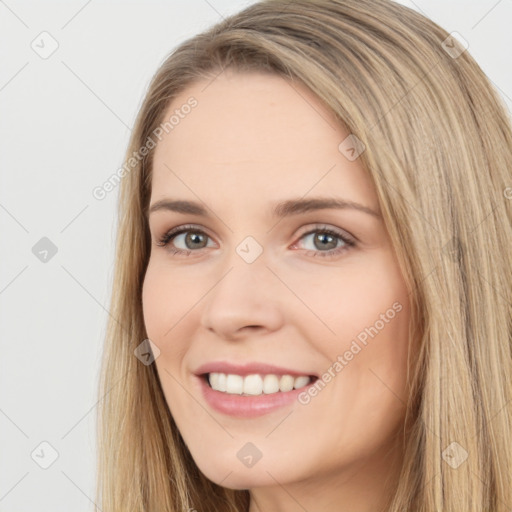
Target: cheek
[348, 301]
[167, 299]
[367, 307]
[153, 298]
[167, 306]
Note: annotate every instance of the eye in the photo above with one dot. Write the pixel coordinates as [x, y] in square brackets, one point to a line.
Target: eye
[326, 242]
[188, 235]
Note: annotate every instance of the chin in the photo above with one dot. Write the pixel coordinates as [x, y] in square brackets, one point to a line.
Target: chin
[238, 478]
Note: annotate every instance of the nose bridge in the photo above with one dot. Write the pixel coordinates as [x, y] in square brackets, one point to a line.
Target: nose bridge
[249, 274]
[245, 295]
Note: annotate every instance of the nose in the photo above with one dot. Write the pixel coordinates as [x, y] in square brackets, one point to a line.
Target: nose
[246, 298]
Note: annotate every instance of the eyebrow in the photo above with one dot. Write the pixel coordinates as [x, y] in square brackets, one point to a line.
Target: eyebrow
[280, 209]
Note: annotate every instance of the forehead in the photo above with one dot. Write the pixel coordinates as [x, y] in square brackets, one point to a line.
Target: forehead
[255, 132]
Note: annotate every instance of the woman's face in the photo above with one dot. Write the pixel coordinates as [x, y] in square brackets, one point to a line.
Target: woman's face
[258, 283]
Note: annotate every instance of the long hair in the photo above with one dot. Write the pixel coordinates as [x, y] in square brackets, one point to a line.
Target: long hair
[438, 147]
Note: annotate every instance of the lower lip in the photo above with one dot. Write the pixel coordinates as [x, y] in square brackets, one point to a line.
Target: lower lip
[247, 406]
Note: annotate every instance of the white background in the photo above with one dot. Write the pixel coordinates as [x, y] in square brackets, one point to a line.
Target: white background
[64, 127]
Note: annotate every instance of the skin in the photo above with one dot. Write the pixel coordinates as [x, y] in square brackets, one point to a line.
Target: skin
[253, 140]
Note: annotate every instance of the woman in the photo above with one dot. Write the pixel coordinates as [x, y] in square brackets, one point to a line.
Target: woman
[251, 366]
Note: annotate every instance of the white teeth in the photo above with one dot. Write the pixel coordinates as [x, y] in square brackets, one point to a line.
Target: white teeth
[221, 383]
[255, 384]
[234, 384]
[270, 384]
[300, 382]
[286, 383]
[218, 381]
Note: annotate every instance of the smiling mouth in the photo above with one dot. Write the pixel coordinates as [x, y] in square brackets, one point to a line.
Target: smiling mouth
[256, 384]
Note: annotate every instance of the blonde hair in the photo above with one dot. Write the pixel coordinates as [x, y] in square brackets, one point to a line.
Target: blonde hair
[438, 147]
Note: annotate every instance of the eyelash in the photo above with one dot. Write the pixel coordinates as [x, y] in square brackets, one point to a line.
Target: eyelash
[174, 232]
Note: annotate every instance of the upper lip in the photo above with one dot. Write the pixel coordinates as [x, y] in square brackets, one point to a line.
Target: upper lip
[248, 369]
